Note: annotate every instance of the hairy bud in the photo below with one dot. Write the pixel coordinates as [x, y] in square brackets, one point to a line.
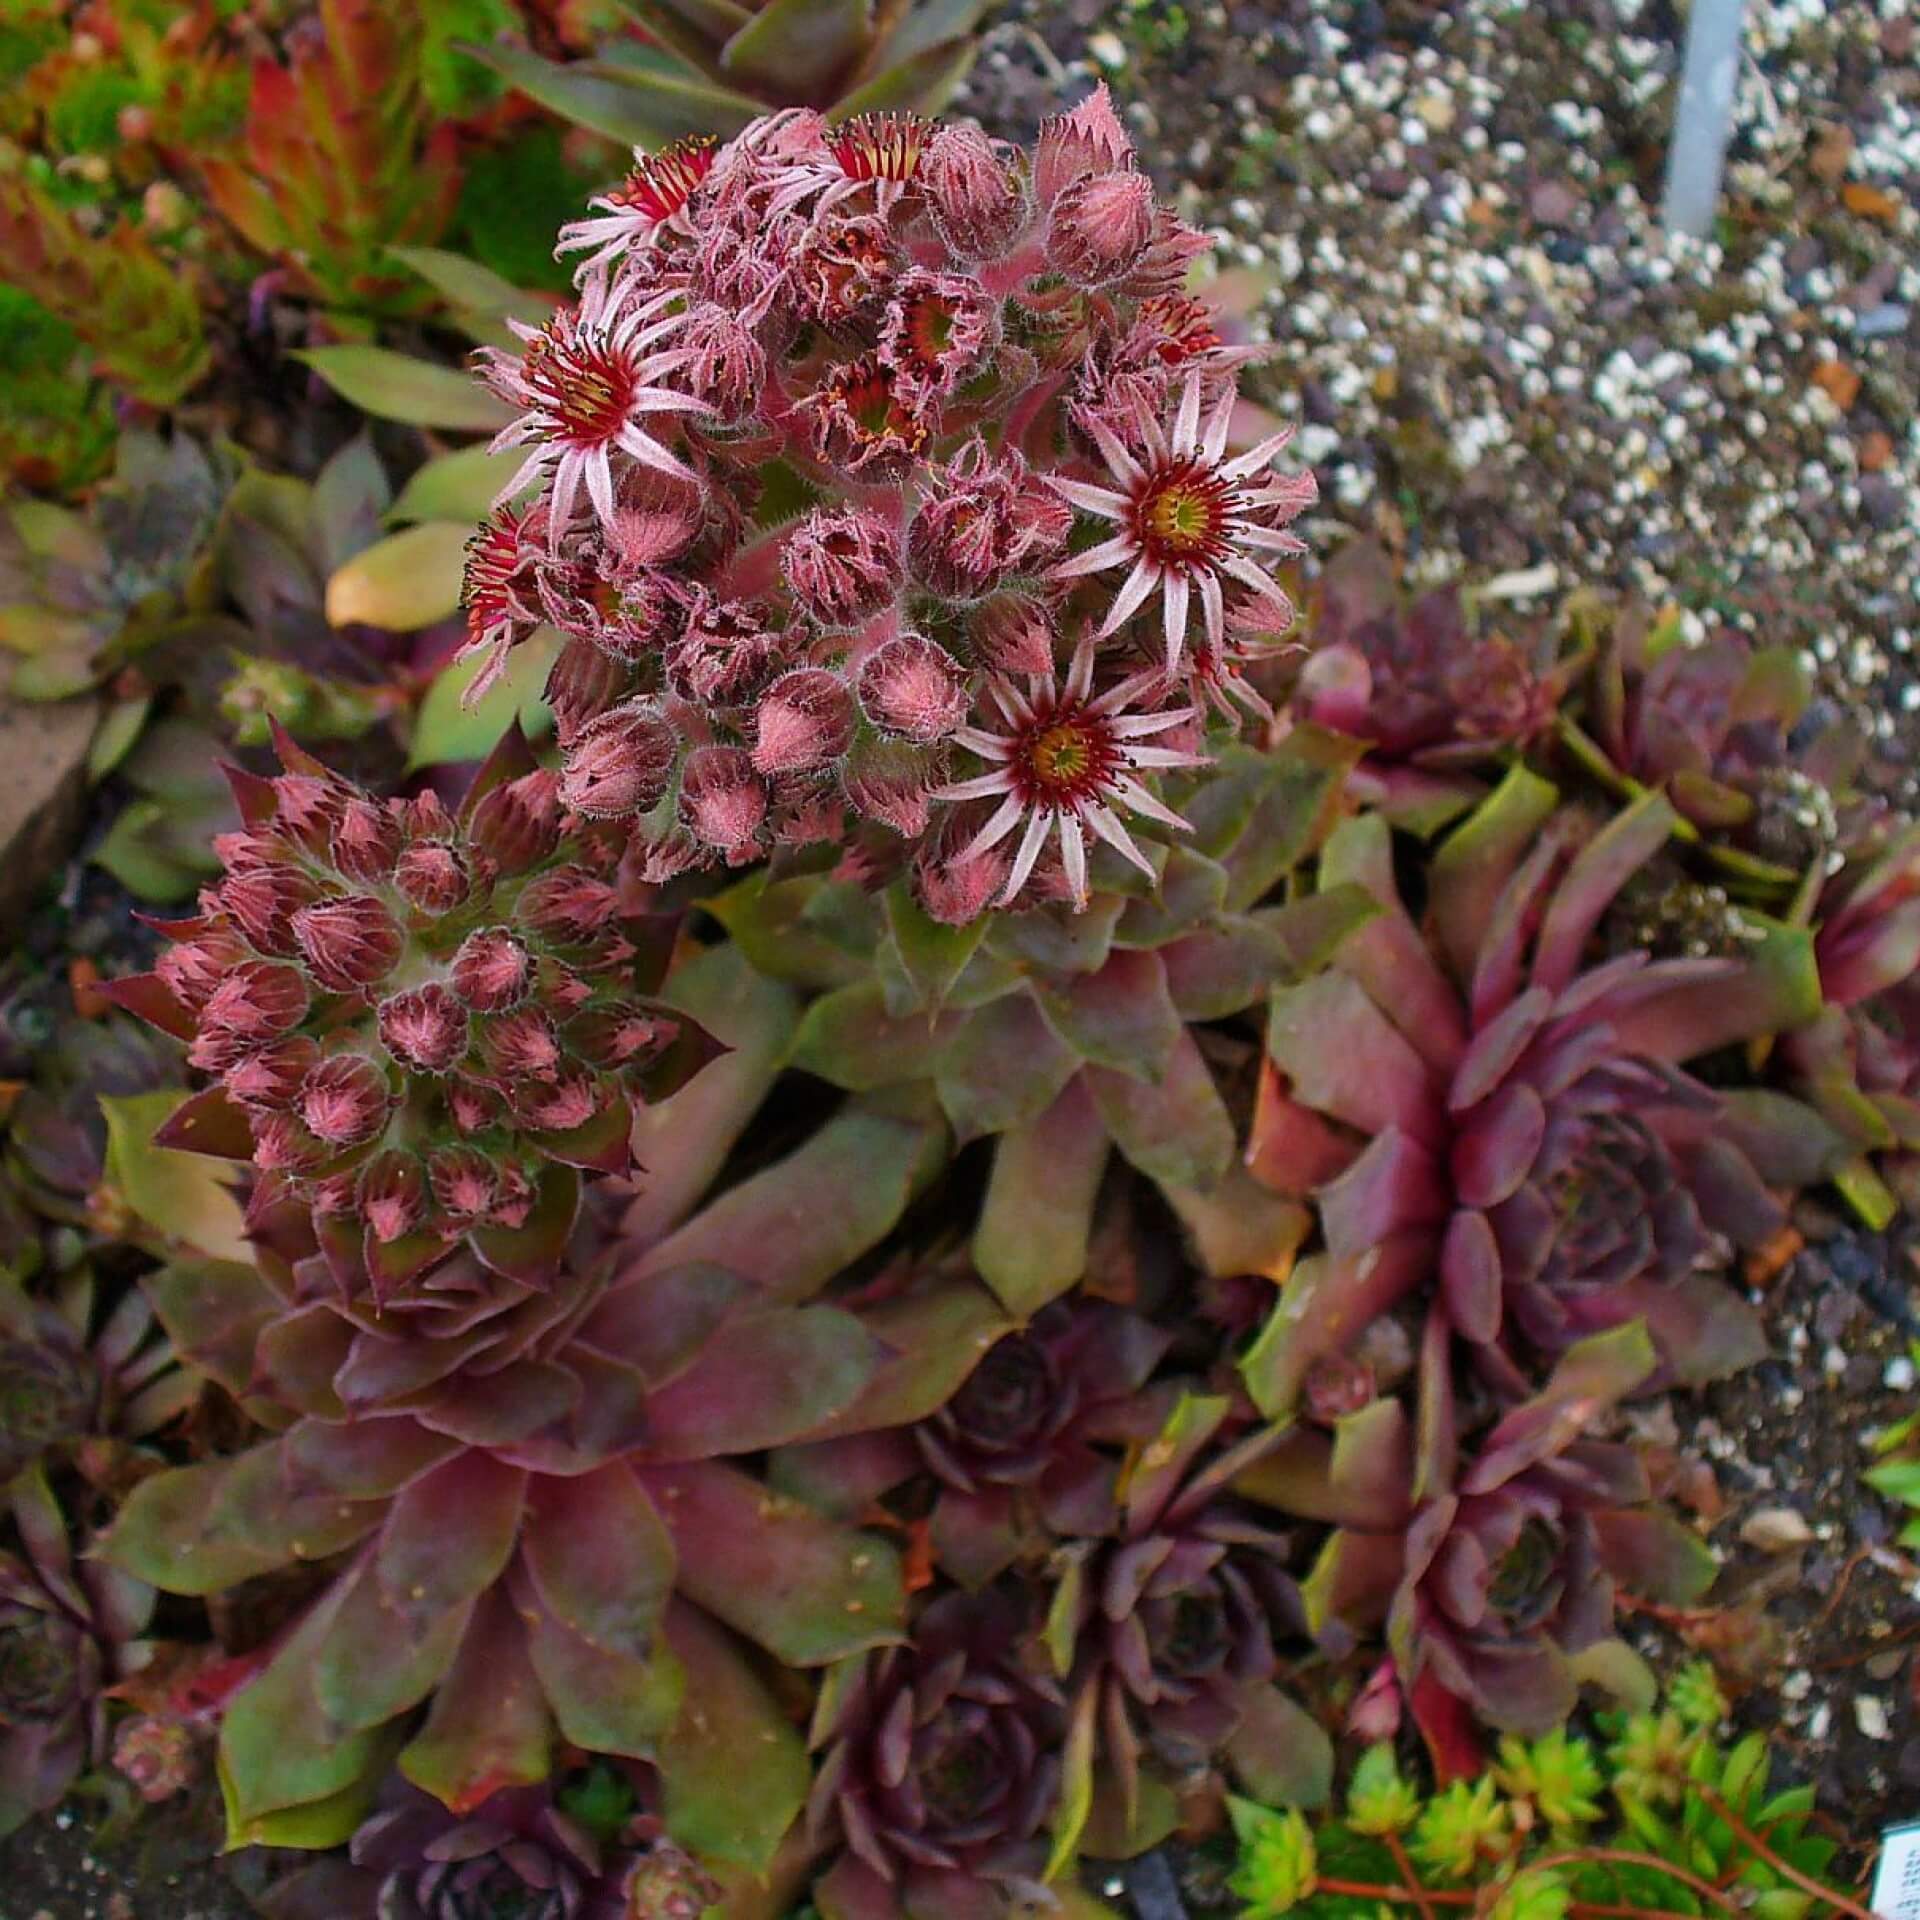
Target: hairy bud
[804, 720]
[620, 763]
[911, 687]
[1100, 227]
[425, 1029]
[349, 944]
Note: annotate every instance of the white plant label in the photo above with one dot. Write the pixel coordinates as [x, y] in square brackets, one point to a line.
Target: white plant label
[1896, 1886]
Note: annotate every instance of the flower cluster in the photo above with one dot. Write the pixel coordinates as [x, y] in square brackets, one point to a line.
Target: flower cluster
[421, 1022]
[1025, 552]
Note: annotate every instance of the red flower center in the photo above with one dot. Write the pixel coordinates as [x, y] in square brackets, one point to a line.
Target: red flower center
[879, 146]
[663, 182]
[584, 386]
[1064, 757]
[1180, 514]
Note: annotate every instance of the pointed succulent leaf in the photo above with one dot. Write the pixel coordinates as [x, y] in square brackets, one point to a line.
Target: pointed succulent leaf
[797, 47]
[395, 386]
[409, 580]
[1177, 1130]
[732, 1769]
[1776, 989]
[1600, 869]
[1052, 940]
[1588, 1379]
[1003, 1069]
[1345, 1059]
[375, 1662]
[772, 1229]
[601, 1559]
[213, 1311]
[931, 956]
[1475, 861]
[767, 919]
[1280, 1752]
[488, 1727]
[203, 1528]
[766, 1378]
[1295, 810]
[923, 83]
[1653, 1556]
[603, 1701]
[1030, 1245]
[849, 1038]
[1154, 1474]
[180, 1195]
[807, 1590]
[1238, 1227]
[1120, 1017]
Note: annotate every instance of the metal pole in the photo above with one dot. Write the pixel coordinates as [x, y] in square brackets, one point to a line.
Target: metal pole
[1704, 120]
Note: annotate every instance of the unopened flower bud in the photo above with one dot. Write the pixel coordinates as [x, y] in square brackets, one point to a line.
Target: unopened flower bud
[1012, 633]
[521, 1045]
[913, 687]
[191, 969]
[843, 565]
[958, 888]
[472, 1106]
[156, 1755]
[463, 1182]
[425, 1029]
[614, 1037]
[729, 366]
[1100, 227]
[804, 720]
[976, 201]
[257, 1001]
[491, 971]
[283, 1144]
[722, 799]
[366, 839]
[569, 905]
[725, 654]
[620, 763]
[349, 944]
[585, 681]
[345, 1100]
[557, 1106]
[434, 876]
[270, 1076]
[517, 824]
[262, 901]
[393, 1196]
[1089, 140]
[307, 806]
[892, 782]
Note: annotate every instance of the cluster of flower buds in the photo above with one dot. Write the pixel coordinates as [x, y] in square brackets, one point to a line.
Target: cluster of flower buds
[426, 1018]
[883, 482]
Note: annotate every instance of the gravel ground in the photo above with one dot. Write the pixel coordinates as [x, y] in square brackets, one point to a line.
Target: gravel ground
[1504, 367]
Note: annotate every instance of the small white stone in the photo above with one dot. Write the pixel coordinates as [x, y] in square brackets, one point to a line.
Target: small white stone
[1870, 1716]
[1109, 49]
[1900, 1371]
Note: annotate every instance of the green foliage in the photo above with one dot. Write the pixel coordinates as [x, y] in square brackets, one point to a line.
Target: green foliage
[1558, 1828]
[56, 429]
[1897, 1474]
[512, 201]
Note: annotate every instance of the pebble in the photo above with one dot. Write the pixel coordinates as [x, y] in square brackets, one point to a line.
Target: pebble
[1776, 1530]
[1899, 1375]
[1870, 1716]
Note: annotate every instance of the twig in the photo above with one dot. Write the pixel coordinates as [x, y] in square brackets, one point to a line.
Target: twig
[1404, 1867]
[1805, 1882]
[1626, 1857]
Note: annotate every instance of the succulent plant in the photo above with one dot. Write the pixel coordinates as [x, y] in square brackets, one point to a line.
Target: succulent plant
[56, 428]
[423, 1022]
[69, 1627]
[339, 162]
[1436, 696]
[1168, 1633]
[517, 1853]
[1522, 1137]
[137, 315]
[926, 670]
[940, 1767]
[711, 70]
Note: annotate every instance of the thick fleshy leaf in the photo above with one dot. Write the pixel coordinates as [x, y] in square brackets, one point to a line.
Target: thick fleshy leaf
[658, 1322]
[501, 1408]
[682, 1143]
[1296, 807]
[1290, 1149]
[213, 1311]
[1120, 1017]
[601, 1558]
[1386, 952]
[1004, 1068]
[733, 1770]
[1353, 1580]
[208, 1123]
[773, 1229]
[488, 1727]
[1587, 1379]
[1322, 1308]
[376, 1662]
[1280, 1753]
[532, 1252]
[200, 1529]
[849, 1038]
[1776, 988]
[1360, 1477]
[1176, 1130]
[395, 386]
[766, 1378]
[468, 285]
[1154, 1476]
[1030, 1244]
[451, 726]
[1394, 1186]
[1600, 869]
[409, 580]
[1054, 940]
[184, 1196]
[797, 48]
[456, 486]
[806, 1589]
[1226, 967]
[631, 105]
[928, 1343]
[1343, 1057]
[361, 1459]
[931, 956]
[280, 1751]
[603, 1701]
[450, 1534]
[1476, 860]
[1654, 1557]
[770, 922]
[923, 84]
[1238, 1226]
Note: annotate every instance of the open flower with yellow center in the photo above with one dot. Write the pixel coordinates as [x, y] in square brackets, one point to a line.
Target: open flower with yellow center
[1065, 761]
[649, 203]
[1190, 519]
[584, 383]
